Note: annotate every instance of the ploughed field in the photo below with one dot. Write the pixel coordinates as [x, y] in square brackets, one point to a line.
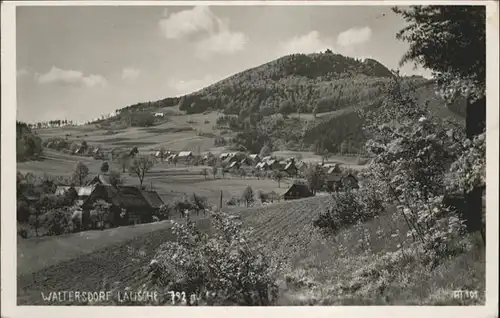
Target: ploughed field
[122, 265]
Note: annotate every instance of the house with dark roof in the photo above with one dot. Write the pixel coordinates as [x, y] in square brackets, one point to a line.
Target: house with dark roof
[298, 191]
[153, 198]
[290, 169]
[235, 165]
[138, 205]
[337, 181]
[254, 158]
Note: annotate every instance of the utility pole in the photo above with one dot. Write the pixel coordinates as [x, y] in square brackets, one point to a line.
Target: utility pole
[220, 206]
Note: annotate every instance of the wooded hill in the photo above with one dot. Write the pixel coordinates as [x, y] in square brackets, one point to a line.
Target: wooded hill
[298, 83]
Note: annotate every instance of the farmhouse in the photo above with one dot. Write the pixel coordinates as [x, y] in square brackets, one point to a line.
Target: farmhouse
[301, 167]
[234, 165]
[290, 168]
[245, 161]
[185, 155]
[254, 158]
[273, 164]
[336, 180]
[266, 159]
[62, 190]
[261, 166]
[131, 199]
[153, 199]
[298, 191]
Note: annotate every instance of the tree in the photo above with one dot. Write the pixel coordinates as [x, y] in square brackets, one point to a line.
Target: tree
[214, 171]
[451, 41]
[316, 178]
[162, 154]
[105, 167]
[73, 147]
[71, 195]
[204, 172]
[248, 196]
[140, 166]
[199, 203]
[265, 151]
[278, 176]
[81, 172]
[102, 210]
[242, 173]
[115, 178]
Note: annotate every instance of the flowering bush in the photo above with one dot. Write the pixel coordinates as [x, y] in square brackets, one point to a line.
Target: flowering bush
[413, 153]
[222, 265]
[349, 207]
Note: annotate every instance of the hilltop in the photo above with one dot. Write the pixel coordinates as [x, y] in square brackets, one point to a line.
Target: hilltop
[299, 102]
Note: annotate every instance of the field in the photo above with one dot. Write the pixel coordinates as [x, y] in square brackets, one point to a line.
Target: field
[179, 133]
[319, 272]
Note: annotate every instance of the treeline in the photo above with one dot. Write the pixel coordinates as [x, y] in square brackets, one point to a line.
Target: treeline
[28, 145]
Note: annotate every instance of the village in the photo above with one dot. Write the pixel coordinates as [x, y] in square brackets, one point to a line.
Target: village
[130, 204]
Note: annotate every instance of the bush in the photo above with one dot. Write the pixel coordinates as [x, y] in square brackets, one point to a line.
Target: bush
[222, 269]
[248, 196]
[57, 221]
[349, 207]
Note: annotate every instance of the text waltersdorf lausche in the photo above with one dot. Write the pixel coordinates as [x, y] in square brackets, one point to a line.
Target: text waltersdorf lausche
[99, 296]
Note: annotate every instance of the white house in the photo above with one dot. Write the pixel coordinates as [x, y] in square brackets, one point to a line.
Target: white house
[159, 114]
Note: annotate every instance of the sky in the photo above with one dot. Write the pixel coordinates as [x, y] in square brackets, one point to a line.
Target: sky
[79, 62]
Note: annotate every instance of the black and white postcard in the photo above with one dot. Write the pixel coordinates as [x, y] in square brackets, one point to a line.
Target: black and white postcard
[171, 155]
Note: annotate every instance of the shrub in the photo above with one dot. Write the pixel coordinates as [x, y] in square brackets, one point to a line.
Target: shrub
[248, 196]
[222, 266]
[233, 201]
[349, 208]
[57, 221]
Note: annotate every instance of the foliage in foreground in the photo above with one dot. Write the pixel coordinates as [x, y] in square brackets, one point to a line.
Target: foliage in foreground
[222, 264]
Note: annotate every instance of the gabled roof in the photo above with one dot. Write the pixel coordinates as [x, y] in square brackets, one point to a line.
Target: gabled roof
[233, 164]
[254, 156]
[153, 198]
[61, 190]
[289, 165]
[100, 179]
[185, 153]
[301, 190]
[334, 169]
[86, 191]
